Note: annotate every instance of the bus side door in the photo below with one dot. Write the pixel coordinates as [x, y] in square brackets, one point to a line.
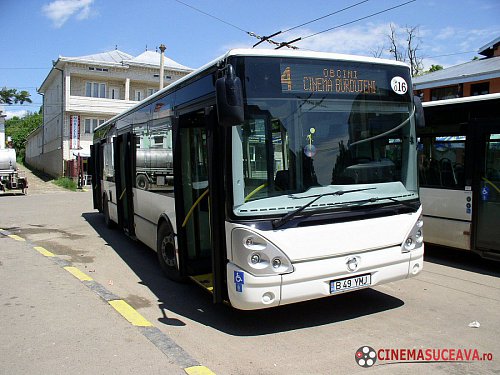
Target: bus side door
[123, 173]
[96, 173]
[487, 234]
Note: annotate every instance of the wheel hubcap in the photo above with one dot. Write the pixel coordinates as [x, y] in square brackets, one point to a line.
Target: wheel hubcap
[167, 252]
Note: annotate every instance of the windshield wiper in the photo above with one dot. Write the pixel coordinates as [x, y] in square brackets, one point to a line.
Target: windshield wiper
[285, 219]
[376, 199]
[393, 199]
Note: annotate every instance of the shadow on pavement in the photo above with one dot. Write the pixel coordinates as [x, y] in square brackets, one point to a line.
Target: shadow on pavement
[461, 259]
[190, 301]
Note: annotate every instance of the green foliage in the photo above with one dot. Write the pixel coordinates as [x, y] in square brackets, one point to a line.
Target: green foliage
[19, 128]
[435, 68]
[66, 183]
[12, 96]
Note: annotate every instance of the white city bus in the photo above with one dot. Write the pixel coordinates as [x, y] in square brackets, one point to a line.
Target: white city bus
[286, 176]
[459, 167]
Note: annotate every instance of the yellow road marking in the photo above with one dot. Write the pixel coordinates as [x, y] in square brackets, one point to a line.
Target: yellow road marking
[78, 274]
[198, 370]
[129, 313]
[44, 251]
[16, 237]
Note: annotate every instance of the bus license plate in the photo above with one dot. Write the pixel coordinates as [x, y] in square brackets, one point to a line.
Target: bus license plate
[350, 283]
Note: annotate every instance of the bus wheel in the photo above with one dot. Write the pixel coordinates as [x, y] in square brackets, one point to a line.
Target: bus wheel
[166, 253]
[105, 209]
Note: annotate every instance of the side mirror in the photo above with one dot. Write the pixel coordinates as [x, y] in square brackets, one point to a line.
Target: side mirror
[229, 98]
[419, 112]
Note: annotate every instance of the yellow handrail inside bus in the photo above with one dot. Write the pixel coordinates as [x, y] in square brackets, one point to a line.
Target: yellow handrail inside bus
[123, 193]
[190, 212]
[492, 184]
[255, 191]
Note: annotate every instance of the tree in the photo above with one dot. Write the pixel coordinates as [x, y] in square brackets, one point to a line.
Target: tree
[12, 96]
[19, 129]
[377, 51]
[407, 51]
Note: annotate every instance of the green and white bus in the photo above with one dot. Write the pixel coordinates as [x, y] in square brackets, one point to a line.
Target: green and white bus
[271, 177]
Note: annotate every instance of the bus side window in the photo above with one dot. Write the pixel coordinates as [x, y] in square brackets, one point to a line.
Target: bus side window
[109, 168]
[441, 162]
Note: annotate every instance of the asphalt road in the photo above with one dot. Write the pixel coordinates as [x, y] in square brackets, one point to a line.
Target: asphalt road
[432, 311]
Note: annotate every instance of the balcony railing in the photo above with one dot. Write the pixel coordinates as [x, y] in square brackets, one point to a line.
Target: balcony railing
[98, 105]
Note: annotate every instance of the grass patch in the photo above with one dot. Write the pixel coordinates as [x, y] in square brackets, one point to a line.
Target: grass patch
[65, 182]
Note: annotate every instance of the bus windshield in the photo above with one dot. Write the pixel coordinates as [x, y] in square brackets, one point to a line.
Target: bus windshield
[297, 146]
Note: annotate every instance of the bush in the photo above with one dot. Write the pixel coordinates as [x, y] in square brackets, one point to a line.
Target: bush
[66, 183]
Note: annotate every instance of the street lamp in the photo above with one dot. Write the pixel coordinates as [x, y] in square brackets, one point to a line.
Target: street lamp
[162, 63]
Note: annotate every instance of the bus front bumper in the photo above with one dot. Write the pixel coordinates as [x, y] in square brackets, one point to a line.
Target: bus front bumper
[312, 279]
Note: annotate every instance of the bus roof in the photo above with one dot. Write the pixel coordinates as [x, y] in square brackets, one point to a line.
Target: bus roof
[261, 52]
[466, 99]
[311, 55]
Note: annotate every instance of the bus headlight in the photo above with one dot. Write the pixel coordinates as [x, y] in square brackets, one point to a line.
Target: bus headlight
[409, 244]
[415, 238]
[419, 236]
[256, 255]
[255, 258]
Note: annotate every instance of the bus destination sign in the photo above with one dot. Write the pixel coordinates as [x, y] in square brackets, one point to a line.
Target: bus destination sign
[308, 78]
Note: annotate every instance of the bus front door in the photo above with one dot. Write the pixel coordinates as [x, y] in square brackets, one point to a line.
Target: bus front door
[487, 235]
[194, 209]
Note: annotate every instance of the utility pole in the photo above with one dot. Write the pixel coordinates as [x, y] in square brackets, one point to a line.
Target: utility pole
[162, 63]
[2, 129]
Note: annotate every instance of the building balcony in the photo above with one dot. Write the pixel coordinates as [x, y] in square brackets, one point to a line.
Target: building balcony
[98, 106]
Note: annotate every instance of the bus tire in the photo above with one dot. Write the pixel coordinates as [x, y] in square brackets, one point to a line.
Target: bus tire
[105, 210]
[167, 253]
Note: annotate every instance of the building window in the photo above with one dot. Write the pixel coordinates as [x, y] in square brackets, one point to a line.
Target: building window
[98, 69]
[90, 124]
[114, 93]
[441, 93]
[139, 95]
[480, 88]
[164, 77]
[152, 91]
[95, 90]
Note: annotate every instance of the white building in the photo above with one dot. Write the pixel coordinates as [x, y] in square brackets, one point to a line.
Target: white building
[80, 93]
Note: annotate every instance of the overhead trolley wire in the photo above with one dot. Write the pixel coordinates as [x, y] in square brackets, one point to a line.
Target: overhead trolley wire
[212, 16]
[325, 16]
[308, 22]
[287, 44]
[252, 34]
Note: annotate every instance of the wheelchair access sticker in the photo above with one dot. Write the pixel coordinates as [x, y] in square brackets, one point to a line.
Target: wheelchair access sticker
[239, 280]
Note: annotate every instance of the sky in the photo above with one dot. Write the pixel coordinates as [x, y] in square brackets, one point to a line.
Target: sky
[37, 32]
